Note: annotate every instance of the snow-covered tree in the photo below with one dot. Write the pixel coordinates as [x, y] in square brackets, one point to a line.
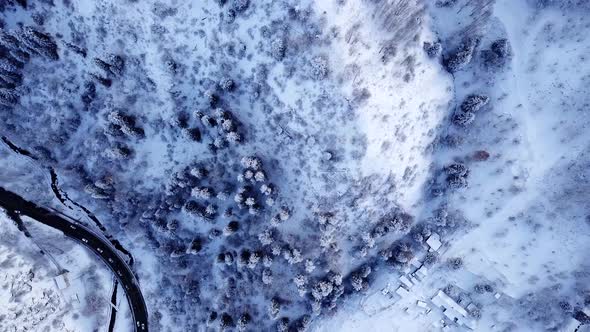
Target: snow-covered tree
[456, 182]
[462, 56]
[433, 49]
[266, 237]
[267, 276]
[274, 308]
[231, 228]
[474, 103]
[456, 169]
[463, 119]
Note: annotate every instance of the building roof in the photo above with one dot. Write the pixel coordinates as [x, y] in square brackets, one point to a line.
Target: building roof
[434, 241]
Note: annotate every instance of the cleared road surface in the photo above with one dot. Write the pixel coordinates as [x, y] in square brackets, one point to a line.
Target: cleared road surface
[96, 243]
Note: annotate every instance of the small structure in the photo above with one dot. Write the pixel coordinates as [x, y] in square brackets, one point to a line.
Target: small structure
[61, 281]
[421, 272]
[401, 291]
[406, 282]
[422, 304]
[453, 310]
[434, 242]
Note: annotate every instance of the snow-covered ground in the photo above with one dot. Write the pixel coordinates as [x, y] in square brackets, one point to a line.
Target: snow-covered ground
[268, 164]
[527, 201]
[65, 288]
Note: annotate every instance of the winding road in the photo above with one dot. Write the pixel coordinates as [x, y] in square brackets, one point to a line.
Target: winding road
[93, 241]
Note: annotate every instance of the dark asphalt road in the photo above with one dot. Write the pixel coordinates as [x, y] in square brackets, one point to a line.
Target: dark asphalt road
[96, 243]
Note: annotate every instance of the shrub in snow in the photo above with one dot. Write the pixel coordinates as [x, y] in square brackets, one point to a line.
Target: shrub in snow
[10, 80]
[248, 175]
[233, 137]
[402, 254]
[116, 64]
[267, 276]
[227, 84]
[266, 189]
[456, 169]
[161, 10]
[274, 308]
[227, 125]
[244, 258]
[433, 49]
[195, 247]
[8, 97]
[254, 259]
[210, 211]
[278, 48]
[275, 221]
[101, 64]
[9, 66]
[9, 41]
[231, 228]
[474, 103]
[202, 192]
[240, 5]
[212, 318]
[456, 182]
[126, 124]
[446, 3]
[37, 42]
[283, 324]
[260, 176]
[461, 57]
[309, 266]
[501, 47]
[276, 250]
[193, 134]
[20, 56]
[243, 321]
[266, 237]
[193, 208]
[251, 162]
[118, 153]
[319, 67]
[300, 280]
[292, 255]
[89, 92]
[270, 201]
[219, 142]
[455, 263]
[400, 223]
[498, 54]
[463, 118]
[335, 278]
[239, 198]
[267, 260]
[431, 258]
[284, 213]
[357, 282]
[225, 321]
[250, 201]
[321, 290]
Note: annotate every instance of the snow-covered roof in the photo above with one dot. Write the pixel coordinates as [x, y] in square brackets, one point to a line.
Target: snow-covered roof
[402, 291]
[61, 281]
[434, 241]
[406, 281]
[443, 300]
[422, 272]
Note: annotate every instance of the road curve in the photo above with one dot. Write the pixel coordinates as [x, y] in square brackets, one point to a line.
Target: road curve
[93, 241]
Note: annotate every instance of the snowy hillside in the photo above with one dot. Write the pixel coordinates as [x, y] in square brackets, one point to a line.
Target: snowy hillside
[280, 165]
